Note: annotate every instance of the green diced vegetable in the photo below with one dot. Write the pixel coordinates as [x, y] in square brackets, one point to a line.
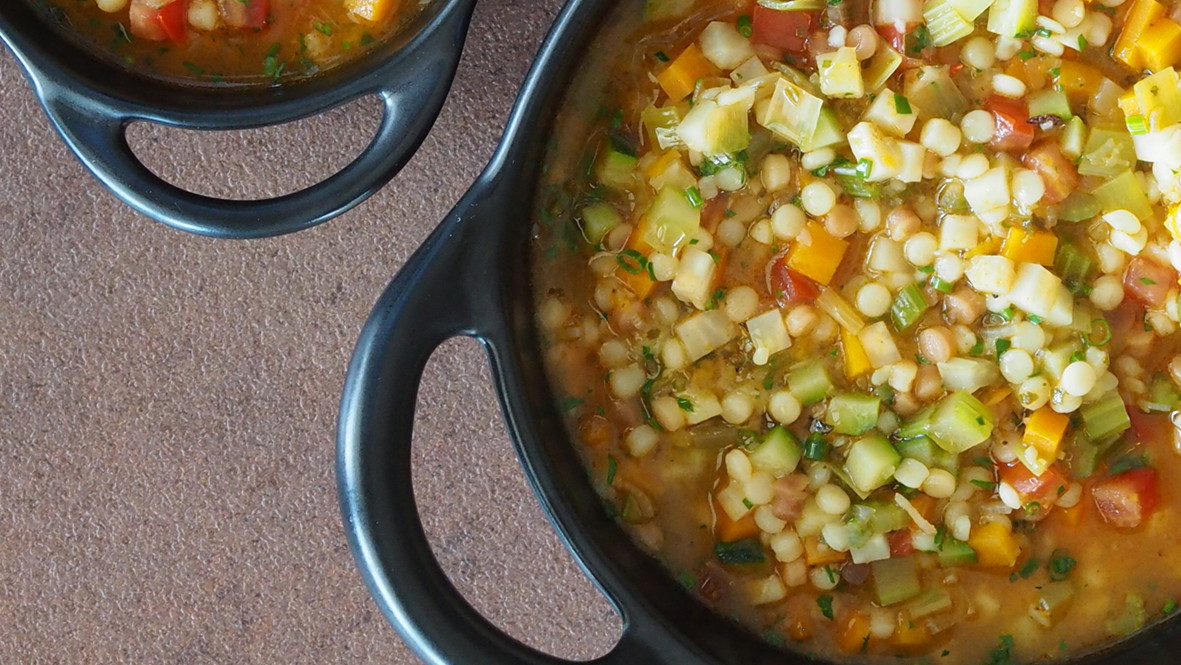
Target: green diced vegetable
[945, 24]
[616, 168]
[719, 125]
[1162, 395]
[931, 601]
[597, 221]
[895, 580]
[957, 422]
[1105, 417]
[872, 462]
[1108, 153]
[816, 447]
[1013, 18]
[884, 516]
[793, 113]
[810, 383]
[1132, 619]
[881, 67]
[1073, 267]
[740, 552]
[1079, 207]
[853, 413]
[1073, 138]
[923, 449]
[1124, 193]
[1052, 603]
[934, 94]
[661, 124]
[954, 552]
[909, 305]
[671, 220]
[778, 454]
[1050, 102]
[828, 132]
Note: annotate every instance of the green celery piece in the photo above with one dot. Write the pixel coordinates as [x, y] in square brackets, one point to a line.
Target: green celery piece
[909, 305]
[1105, 418]
[1050, 102]
[1072, 265]
[955, 423]
[616, 168]
[923, 449]
[853, 413]
[778, 454]
[954, 552]
[597, 221]
[1079, 207]
[931, 601]
[1013, 18]
[871, 462]
[1162, 395]
[895, 580]
[945, 23]
[1124, 192]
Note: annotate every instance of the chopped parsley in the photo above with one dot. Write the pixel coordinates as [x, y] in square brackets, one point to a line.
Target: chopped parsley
[686, 405]
[612, 469]
[1061, 563]
[824, 601]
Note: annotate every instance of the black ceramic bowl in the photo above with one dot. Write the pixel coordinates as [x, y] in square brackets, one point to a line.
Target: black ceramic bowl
[91, 101]
[477, 249]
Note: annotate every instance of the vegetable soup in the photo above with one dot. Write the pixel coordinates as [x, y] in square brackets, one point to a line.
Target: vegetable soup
[864, 315]
[232, 41]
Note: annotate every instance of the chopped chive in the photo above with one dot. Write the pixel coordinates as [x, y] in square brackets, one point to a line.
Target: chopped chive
[902, 105]
[632, 261]
[1002, 345]
[745, 28]
[694, 196]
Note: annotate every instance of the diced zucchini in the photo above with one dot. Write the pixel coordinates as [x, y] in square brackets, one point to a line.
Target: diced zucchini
[955, 423]
[853, 413]
[670, 222]
[1050, 102]
[810, 382]
[882, 516]
[872, 462]
[895, 580]
[923, 449]
[968, 374]
[828, 132]
[597, 221]
[971, 9]
[954, 552]
[616, 168]
[1108, 153]
[1013, 18]
[779, 453]
[1105, 418]
[1124, 193]
[1079, 207]
[934, 94]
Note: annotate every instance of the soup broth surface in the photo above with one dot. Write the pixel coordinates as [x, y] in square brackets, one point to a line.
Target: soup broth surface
[864, 316]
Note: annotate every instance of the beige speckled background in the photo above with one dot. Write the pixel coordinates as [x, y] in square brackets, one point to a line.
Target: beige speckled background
[168, 402]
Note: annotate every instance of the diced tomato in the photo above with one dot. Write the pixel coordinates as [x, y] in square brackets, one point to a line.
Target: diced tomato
[789, 286]
[894, 37]
[159, 23]
[145, 21]
[1126, 499]
[1148, 282]
[1057, 172]
[901, 543]
[245, 13]
[1013, 131]
[786, 30]
[1033, 488]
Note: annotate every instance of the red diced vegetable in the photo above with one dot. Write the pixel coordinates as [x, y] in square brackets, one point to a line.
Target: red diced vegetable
[1148, 282]
[1057, 172]
[1033, 488]
[786, 30]
[172, 17]
[145, 21]
[1126, 499]
[901, 543]
[245, 13]
[1013, 131]
[789, 286]
[893, 36]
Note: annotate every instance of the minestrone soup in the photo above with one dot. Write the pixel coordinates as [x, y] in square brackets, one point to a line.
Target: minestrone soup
[864, 315]
[233, 41]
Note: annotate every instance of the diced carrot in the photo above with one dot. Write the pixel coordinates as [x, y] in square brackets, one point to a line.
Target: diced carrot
[661, 163]
[799, 630]
[910, 633]
[817, 554]
[856, 360]
[995, 545]
[1161, 45]
[1136, 22]
[1079, 80]
[853, 633]
[680, 78]
[1024, 247]
[817, 254]
[1043, 432]
[727, 530]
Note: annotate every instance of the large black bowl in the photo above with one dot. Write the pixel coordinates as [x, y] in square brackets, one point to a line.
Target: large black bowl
[91, 101]
[470, 279]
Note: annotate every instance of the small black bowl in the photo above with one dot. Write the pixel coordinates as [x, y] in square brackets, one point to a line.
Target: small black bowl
[468, 279]
[91, 100]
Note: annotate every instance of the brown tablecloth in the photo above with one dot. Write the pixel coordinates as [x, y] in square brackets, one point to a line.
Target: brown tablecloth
[168, 402]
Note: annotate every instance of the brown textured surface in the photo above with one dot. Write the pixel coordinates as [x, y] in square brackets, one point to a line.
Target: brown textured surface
[168, 402]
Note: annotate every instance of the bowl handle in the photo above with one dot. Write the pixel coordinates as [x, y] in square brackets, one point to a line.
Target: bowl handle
[425, 304]
[412, 90]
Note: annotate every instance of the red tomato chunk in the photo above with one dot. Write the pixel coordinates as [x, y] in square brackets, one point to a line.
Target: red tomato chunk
[786, 30]
[1057, 172]
[1013, 131]
[1126, 499]
[789, 286]
[1148, 282]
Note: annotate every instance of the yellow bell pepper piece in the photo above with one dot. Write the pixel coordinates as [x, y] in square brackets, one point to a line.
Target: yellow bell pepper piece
[1161, 45]
[1078, 80]
[680, 78]
[1024, 247]
[1138, 19]
[986, 247]
[373, 11]
[816, 253]
[856, 360]
[995, 545]
[1044, 429]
